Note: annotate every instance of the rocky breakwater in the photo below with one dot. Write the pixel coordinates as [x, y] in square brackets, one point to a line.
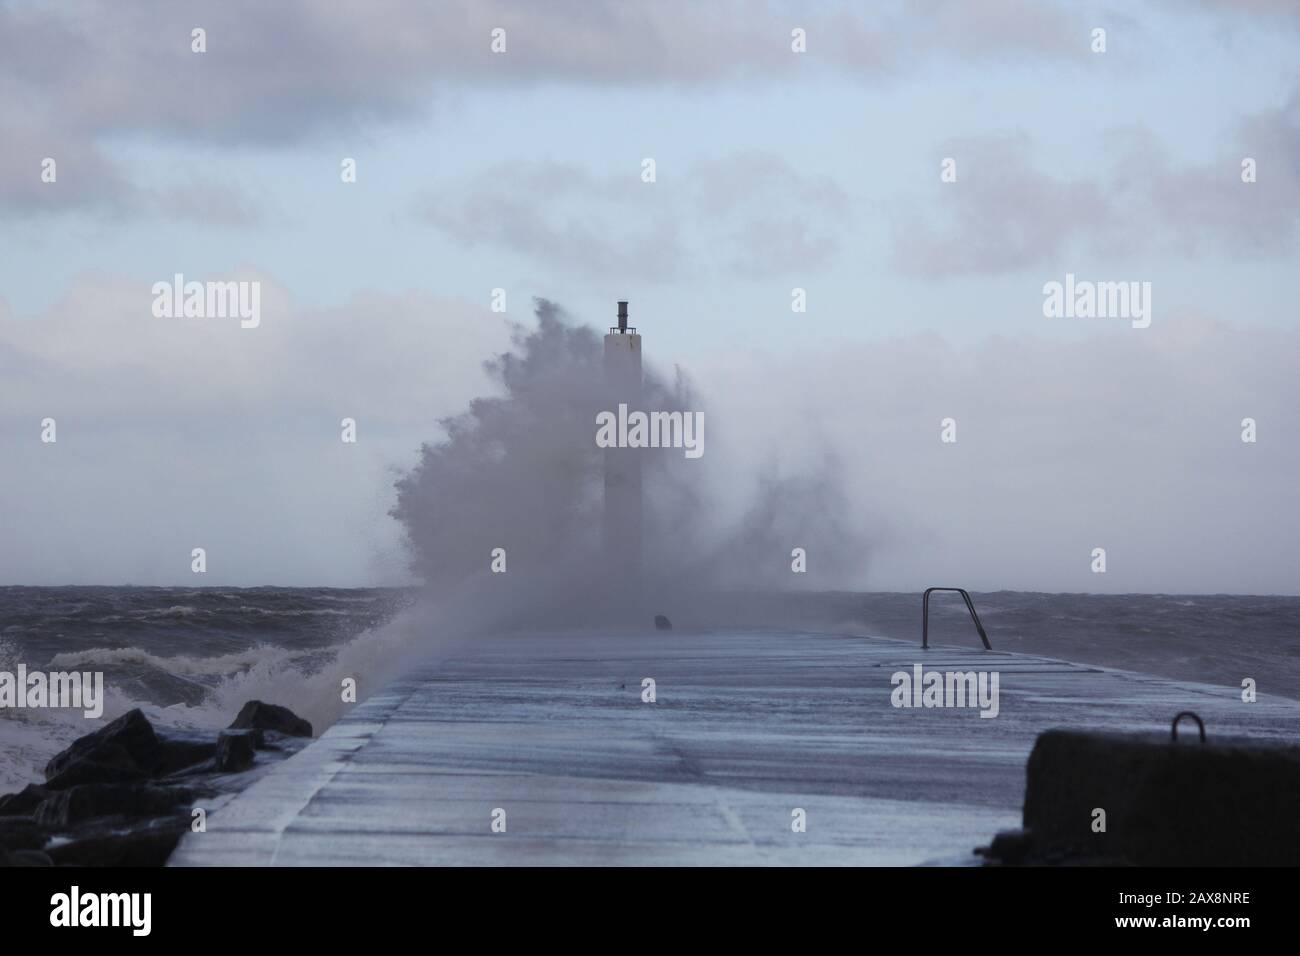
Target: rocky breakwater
[124, 795]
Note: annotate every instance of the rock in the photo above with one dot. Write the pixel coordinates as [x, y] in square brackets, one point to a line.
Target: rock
[89, 801]
[113, 798]
[235, 750]
[182, 753]
[147, 845]
[662, 623]
[1226, 802]
[25, 801]
[126, 743]
[256, 715]
[25, 858]
[20, 833]
[108, 764]
[123, 751]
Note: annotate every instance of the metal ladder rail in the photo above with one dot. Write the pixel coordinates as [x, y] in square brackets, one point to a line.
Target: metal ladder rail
[925, 617]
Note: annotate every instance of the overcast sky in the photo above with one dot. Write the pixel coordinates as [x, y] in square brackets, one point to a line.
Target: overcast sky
[774, 170]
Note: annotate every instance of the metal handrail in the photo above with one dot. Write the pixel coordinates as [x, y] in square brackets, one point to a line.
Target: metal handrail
[1173, 729]
[925, 617]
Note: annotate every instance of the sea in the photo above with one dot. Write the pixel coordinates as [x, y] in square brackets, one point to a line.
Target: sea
[190, 657]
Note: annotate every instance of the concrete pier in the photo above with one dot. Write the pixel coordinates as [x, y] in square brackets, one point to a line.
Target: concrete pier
[747, 728]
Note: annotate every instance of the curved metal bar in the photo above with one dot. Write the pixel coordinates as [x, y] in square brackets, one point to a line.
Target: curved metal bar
[1200, 725]
[970, 606]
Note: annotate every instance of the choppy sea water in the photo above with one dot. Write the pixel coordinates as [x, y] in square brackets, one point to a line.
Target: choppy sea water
[1215, 639]
[191, 657]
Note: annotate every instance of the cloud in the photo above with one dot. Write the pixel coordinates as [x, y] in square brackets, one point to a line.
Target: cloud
[283, 73]
[1008, 212]
[561, 215]
[99, 354]
[748, 214]
[1001, 215]
[273, 73]
[210, 203]
[997, 28]
[86, 178]
[1236, 10]
[183, 433]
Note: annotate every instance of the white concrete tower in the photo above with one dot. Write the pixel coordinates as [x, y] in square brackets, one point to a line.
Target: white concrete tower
[623, 465]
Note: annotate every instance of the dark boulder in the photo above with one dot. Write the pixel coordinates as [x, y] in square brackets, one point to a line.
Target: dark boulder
[181, 753]
[90, 801]
[108, 763]
[662, 623]
[149, 844]
[235, 750]
[126, 743]
[25, 858]
[126, 750]
[20, 833]
[256, 715]
[24, 802]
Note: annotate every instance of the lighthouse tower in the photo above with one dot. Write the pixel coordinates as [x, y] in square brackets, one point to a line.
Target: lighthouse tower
[622, 528]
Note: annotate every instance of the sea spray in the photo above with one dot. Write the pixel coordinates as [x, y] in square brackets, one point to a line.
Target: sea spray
[521, 471]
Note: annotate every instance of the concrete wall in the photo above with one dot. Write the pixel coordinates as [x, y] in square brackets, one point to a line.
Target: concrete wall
[1227, 802]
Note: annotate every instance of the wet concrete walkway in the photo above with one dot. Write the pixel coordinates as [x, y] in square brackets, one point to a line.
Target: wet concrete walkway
[549, 733]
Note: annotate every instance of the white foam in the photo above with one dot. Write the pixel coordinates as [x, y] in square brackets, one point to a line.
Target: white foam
[181, 665]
